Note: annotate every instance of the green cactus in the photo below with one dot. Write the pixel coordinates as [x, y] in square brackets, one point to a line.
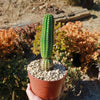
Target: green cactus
[46, 42]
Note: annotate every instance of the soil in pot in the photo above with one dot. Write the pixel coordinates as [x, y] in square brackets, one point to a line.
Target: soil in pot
[57, 73]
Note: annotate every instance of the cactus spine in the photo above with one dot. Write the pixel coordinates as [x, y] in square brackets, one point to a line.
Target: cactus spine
[46, 42]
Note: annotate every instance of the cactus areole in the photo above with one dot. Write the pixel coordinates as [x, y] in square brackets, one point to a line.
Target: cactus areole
[46, 42]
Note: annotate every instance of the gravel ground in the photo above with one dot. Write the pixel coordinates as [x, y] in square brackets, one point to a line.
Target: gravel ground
[16, 12]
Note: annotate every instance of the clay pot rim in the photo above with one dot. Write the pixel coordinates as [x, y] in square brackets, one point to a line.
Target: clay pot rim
[50, 81]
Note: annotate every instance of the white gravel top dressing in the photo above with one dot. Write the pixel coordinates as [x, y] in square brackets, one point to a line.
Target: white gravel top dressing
[57, 73]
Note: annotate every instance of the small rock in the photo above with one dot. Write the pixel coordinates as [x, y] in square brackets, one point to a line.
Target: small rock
[0, 14]
[33, 8]
[6, 21]
[43, 6]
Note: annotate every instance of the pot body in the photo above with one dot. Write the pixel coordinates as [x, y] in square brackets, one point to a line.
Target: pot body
[46, 89]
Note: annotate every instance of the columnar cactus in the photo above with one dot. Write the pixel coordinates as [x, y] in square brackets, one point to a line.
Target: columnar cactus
[46, 42]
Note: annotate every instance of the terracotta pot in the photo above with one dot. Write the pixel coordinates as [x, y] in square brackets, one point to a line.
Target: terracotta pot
[46, 89]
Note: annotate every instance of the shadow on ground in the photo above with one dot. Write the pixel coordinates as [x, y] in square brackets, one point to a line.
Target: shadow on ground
[84, 90]
[97, 6]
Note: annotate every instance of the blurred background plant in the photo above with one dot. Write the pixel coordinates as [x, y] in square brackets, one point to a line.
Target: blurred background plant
[8, 43]
[73, 46]
[13, 79]
[73, 76]
[17, 40]
[81, 42]
[26, 36]
[26, 33]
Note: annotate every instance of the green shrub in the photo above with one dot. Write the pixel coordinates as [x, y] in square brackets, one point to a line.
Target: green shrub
[13, 79]
[73, 75]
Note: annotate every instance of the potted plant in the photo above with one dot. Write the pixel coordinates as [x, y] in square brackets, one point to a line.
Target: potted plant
[46, 76]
